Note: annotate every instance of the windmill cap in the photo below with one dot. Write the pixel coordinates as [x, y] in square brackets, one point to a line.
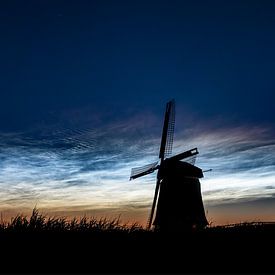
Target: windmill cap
[180, 169]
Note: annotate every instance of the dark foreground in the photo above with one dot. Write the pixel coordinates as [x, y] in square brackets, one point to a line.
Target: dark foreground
[237, 250]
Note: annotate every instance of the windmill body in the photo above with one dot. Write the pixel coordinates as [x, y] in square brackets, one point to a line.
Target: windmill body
[177, 200]
[180, 205]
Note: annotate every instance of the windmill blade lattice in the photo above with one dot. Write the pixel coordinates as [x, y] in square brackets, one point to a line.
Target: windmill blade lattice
[191, 160]
[143, 170]
[170, 131]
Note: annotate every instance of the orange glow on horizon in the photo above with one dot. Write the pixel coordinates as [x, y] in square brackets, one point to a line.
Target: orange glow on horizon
[215, 215]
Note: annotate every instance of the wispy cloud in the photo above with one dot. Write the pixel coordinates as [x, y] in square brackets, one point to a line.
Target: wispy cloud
[242, 159]
[89, 168]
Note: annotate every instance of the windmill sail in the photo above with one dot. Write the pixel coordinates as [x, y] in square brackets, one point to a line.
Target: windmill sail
[191, 160]
[143, 170]
[184, 155]
[168, 130]
[165, 148]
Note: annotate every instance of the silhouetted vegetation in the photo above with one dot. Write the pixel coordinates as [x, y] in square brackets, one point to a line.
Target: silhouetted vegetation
[39, 223]
[55, 244]
[248, 227]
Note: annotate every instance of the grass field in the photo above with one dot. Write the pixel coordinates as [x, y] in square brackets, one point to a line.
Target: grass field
[41, 244]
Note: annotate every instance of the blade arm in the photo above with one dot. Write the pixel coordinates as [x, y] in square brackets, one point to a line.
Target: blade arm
[142, 174]
[185, 154]
[144, 170]
[149, 223]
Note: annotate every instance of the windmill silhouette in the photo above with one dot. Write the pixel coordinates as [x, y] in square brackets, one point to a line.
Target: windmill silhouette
[177, 193]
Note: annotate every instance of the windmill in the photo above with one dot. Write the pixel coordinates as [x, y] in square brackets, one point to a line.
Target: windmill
[177, 193]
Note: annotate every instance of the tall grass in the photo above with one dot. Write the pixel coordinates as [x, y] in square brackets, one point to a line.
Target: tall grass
[39, 222]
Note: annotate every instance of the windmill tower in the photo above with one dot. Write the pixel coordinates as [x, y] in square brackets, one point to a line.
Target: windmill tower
[177, 193]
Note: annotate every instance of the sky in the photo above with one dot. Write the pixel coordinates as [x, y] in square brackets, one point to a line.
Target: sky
[83, 88]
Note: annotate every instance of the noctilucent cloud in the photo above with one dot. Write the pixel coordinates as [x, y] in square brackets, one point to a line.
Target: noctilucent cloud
[83, 92]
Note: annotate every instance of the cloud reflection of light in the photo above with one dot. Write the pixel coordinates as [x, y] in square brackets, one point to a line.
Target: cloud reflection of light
[96, 176]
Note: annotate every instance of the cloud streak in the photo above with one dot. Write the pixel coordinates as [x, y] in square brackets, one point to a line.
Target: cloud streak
[88, 168]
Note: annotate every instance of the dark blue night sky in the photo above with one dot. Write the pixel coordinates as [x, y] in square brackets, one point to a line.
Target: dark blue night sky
[83, 90]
